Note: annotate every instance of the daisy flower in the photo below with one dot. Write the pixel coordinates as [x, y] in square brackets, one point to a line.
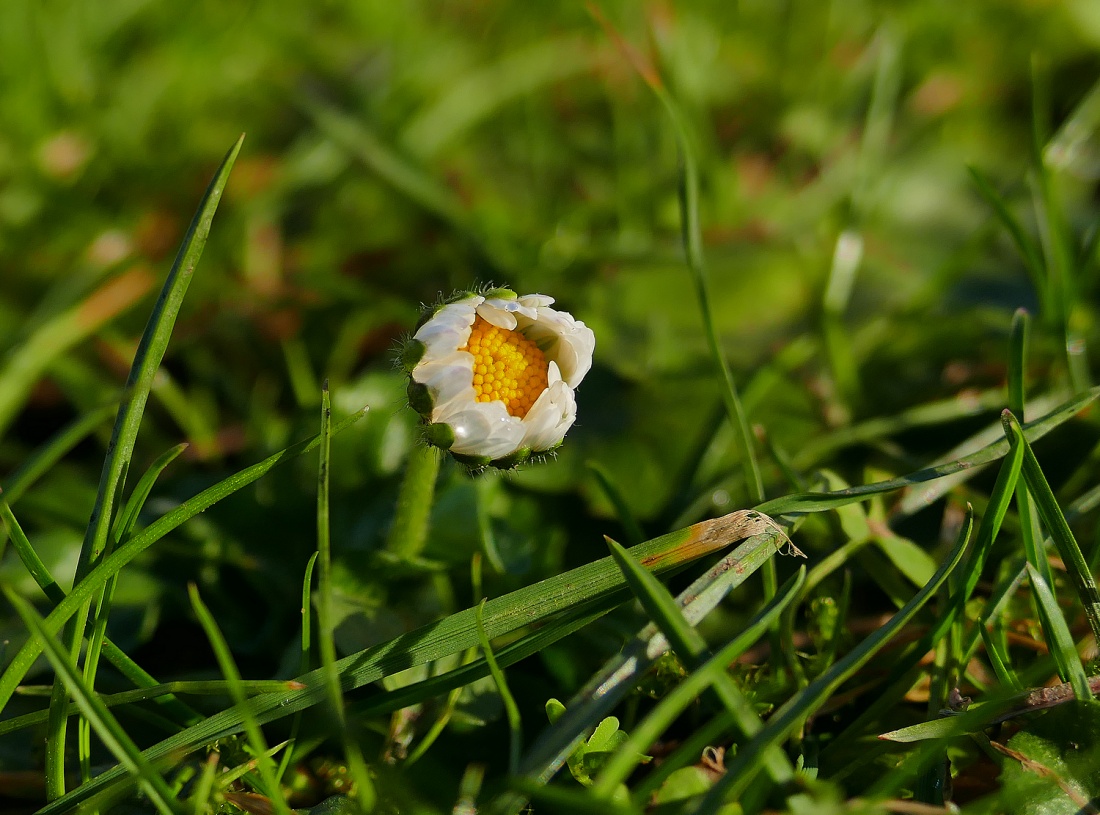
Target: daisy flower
[493, 375]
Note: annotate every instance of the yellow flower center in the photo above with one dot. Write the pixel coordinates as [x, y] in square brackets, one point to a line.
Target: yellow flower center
[508, 367]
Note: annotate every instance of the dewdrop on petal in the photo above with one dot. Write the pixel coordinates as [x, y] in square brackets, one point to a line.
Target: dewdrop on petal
[493, 374]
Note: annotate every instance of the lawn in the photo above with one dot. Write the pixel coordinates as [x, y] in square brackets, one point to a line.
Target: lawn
[821, 533]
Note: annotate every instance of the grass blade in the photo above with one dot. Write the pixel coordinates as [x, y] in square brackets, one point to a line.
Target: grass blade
[998, 659]
[106, 727]
[129, 515]
[154, 342]
[151, 348]
[744, 768]
[820, 501]
[901, 677]
[55, 594]
[364, 787]
[233, 677]
[109, 566]
[625, 759]
[1076, 567]
[1059, 636]
[515, 724]
[585, 592]
[691, 648]
[126, 520]
[608, 687]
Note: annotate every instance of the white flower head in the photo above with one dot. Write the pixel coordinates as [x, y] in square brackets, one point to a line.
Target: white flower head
[493, 375]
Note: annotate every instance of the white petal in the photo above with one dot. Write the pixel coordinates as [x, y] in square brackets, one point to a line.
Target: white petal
[550, 417]
[483, 429]
[494, 312]
[447, 379]
[568, 342]
[536, 301]
[448, 329]
[553, 373]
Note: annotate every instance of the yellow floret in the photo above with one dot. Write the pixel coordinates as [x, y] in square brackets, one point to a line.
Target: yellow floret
[508, 367]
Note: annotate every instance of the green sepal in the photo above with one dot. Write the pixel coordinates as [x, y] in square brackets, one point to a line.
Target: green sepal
[472, 463]
[515, 459]
[499, 292]
[420, 398]
[545, 455]
[440, 435]
[412, 351]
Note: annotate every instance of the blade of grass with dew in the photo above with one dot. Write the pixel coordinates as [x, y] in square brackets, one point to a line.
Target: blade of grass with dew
[511, 709]
[325, 628]
[180, 712]
[745, 767]
[26, 364]
[106, 727]
[151, 349]
[611, 491]
[1059, 636]
[232, 676]
[818, 502]
[123, 526]
[108, 566]
[97, 542]
[209, 687]
[586, 592]
[617, 768]
[1076, 567]
[693, 652]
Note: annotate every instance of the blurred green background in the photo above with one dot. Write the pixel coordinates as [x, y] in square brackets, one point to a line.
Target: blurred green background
[398, 150]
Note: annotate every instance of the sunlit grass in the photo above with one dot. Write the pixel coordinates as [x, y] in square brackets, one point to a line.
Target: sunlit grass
[841, 264]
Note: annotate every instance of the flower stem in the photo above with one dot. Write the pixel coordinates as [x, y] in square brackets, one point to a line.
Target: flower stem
[414, 503]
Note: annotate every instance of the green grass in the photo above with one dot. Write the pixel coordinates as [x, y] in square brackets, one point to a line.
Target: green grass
[841, 264]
